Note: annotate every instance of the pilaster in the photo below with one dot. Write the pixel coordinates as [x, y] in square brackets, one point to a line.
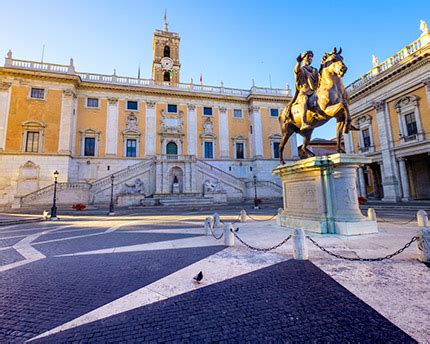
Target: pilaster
[5, 91]
[191, 130]
[257, 132]
[151, 128]
[65, 141]
[361, 181]
[112, 127]
[390, 182]
[404, 179]
[223, 130]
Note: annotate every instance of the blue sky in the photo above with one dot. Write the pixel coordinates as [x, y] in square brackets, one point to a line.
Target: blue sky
[229, 41]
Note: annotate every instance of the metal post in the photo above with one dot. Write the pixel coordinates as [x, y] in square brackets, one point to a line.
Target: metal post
[255, 192]
[54, 201]
[111, 205]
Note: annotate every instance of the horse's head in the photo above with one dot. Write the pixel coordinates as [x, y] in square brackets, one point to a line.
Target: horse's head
[333, 62]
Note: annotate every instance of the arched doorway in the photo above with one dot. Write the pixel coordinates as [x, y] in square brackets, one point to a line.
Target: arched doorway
[172, 148]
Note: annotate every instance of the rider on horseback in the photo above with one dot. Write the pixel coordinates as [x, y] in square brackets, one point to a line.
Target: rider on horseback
[306, 83]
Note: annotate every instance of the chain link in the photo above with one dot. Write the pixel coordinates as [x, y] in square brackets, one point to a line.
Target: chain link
[397, 223]
[257, 220]
[213, 233]
[257, 248]
[389, 256]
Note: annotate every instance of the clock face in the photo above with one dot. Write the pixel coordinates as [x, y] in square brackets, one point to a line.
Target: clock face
[167, 63]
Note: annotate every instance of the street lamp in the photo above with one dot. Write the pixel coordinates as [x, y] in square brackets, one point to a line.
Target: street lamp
[54, 201]
[255, 192]
[111, 205]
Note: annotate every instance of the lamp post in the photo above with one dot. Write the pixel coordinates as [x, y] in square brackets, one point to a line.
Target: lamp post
[111, 205]
[255, 192]
[54, 201]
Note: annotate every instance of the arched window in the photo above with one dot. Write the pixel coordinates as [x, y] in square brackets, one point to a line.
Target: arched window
[166, 76]
[166, 51]
[172, 148]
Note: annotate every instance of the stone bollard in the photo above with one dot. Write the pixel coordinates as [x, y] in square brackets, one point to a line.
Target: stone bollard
[243, 216]
[228, 234]
[300, 246]
[423, 241]
[371, 214]
[278, 217]
[45, 215]
[208, 225]
[217, 221]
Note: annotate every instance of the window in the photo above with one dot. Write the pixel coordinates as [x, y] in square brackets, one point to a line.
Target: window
[166, 51]
[131, 148]
[32, 142]
[276, 150]
[207, 111]
[171, 108]
[209, 150]
[166, 76]
[250, 129]
[92, 102]
[274, 112]
[237, 113]
[240, 152]
[366, 137]
[172, 148]
[90, 146]
[37, 93]
[411, 124]
[132, 105]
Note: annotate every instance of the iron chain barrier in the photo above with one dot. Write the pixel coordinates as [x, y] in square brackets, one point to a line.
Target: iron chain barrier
[258, 248]
[213, 233]
[398, 223]
[257, 220]
[389, 256]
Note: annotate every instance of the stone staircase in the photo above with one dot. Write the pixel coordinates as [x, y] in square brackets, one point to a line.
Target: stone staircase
[186, 200]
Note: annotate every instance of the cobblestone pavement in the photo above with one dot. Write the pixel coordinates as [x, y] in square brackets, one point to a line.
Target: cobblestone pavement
[130, 279]
[292, 301]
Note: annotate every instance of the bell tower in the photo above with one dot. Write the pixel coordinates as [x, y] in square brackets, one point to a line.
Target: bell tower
[165, 47]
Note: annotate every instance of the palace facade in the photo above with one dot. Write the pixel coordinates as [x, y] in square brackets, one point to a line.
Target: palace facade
[390, 107]
[161, 138]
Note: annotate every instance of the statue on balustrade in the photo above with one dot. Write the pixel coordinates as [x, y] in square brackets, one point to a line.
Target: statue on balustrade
[320, 96]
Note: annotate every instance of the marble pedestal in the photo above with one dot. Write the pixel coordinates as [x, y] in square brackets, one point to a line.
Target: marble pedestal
[320, 195]
[127, 199]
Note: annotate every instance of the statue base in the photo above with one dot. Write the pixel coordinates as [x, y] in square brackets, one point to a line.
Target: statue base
[128, 199]
[320, 195]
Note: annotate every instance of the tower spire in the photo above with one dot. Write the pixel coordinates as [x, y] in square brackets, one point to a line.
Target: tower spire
[166, 24]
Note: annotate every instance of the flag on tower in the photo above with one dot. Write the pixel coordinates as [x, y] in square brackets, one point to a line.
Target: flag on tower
[138, 72]
[201, 79]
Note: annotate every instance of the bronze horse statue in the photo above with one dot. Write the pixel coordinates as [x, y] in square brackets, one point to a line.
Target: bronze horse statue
[329, 101]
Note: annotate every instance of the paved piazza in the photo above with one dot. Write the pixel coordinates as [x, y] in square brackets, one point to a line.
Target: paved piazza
[129, 278]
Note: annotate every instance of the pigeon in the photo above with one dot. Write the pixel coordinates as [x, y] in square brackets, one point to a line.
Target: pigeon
[198, 277]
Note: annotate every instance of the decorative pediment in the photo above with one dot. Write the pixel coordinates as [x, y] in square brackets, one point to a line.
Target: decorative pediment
[34, 124]
[239, 138]
[406, 101]
[363, 119]
[275, 137]
[90, 132]
[131, 132]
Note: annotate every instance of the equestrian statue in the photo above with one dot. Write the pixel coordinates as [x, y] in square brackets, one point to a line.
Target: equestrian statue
[320, 96]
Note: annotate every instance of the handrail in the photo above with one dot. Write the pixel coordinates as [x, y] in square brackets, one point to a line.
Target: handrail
[222, 173]
[49, 188]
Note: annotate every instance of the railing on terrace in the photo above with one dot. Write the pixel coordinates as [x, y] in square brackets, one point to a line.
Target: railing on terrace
[392, 61]
[176, 157]
[139, 82]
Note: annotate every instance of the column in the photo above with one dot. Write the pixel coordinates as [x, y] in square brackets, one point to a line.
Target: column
[404, 179]
[223, 133]
[347, 139]
[191, 130]
[294, 149]
[390, 183]
[151, 129]
[427, 83]
[257, 132]
[65, 141]
[361, 181]
[112, 127]
[5, 90]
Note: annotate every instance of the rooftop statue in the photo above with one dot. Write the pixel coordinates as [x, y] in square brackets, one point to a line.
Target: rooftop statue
[320, 96]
